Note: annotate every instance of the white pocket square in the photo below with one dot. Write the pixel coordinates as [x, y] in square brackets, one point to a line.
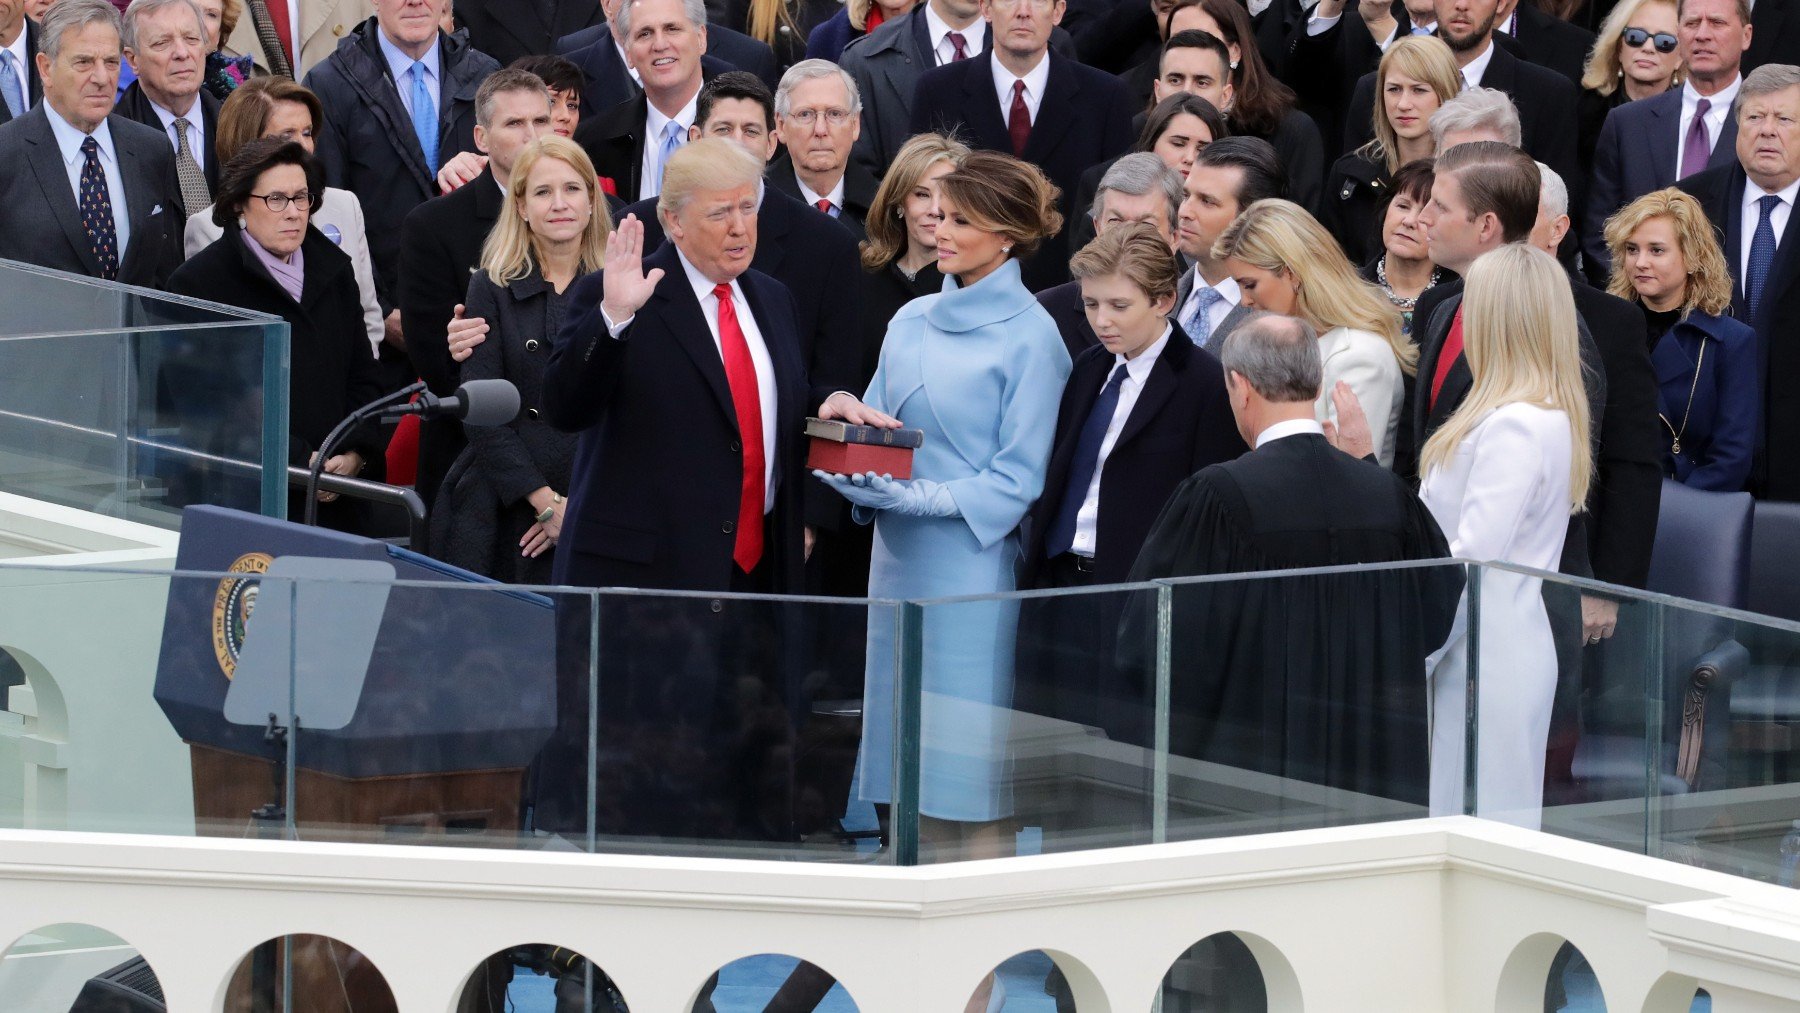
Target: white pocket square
[157, 210]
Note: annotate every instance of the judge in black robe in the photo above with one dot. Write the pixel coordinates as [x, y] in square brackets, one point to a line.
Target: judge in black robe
[1315, 677]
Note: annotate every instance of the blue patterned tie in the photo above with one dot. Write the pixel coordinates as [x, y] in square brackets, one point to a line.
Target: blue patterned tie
[1198, 323]
[671, 139]
[1087, 459]
[1762, 254]
[97, 211]
[9, 85]
[424, 115]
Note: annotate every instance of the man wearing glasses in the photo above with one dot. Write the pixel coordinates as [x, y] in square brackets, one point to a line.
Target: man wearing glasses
[1027, 102]
[1649, 144]
[818, 117]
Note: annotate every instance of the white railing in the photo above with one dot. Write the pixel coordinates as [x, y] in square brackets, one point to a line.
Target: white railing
[1454, 914]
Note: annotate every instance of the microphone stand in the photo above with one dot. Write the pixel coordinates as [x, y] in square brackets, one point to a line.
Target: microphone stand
[339, 433]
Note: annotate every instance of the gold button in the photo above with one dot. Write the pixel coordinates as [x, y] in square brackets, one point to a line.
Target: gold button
[337, 30]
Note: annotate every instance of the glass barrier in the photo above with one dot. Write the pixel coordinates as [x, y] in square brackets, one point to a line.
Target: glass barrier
[133, 404]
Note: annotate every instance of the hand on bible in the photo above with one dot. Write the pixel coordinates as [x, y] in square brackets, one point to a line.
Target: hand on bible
[626, 288]
[914, 498]
[845, 405]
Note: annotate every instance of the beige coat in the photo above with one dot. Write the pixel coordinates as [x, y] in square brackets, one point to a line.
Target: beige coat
[323, 24]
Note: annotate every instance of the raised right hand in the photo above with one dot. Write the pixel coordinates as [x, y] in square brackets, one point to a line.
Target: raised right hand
[625, 287]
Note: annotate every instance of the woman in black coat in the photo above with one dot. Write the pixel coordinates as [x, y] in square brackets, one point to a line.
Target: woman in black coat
[501, 508]
[271, 260]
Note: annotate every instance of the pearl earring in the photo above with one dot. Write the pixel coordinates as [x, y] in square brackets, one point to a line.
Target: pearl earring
[1005, 249]
[243, 223]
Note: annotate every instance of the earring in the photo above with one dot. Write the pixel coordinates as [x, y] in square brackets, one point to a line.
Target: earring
[1005, 249]
[243, 223]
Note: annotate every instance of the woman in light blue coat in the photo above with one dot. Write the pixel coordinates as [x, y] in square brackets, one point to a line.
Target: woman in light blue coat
[980, 368]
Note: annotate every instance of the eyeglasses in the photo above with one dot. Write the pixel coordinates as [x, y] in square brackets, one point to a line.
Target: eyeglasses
[834, 118]
[279, 202]
[1636, 37]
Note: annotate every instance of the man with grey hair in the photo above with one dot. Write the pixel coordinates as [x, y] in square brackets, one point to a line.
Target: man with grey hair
[818, 117]
[165, 43]
[1262, 686]
[665, 41]
[1751, 205]
[1138, 188]
[85, 190]
[1476, 114]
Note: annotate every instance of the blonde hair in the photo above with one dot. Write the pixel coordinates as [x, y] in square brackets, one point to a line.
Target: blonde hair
[1709, 277]
[886, 221]
[1134, 251]
[1602, 72]
[710, 163]
[1278, 235]
[766, 19]
[1423, 58]
[1523, 347]
[511, 249]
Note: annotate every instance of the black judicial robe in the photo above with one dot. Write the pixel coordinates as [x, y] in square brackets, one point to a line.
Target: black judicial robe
[1320, 678]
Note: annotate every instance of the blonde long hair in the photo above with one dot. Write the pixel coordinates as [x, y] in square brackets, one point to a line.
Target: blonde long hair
[511, 248]
[1709, 284]
[1424, 58]
[1601, 72]
[1278, 235]
[1522, 341]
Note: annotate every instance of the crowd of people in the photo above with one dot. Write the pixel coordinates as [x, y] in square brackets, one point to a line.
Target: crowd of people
[1171, 288]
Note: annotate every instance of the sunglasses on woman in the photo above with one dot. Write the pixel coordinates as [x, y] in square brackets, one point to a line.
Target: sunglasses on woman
[1665, 43]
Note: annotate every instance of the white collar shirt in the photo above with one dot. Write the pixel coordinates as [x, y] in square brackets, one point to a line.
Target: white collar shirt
[836, 196]
[1035, 79]
[1229, 297]
[68, 143]
[655, 123]
[1718, 108]
[1137, 373]
[937, 30]
[196, 125]
[1752, 215]
[1292, 427]
[400, 68]
[1477, 67]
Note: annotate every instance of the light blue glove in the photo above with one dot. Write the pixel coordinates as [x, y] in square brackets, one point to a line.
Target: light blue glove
[913, 498]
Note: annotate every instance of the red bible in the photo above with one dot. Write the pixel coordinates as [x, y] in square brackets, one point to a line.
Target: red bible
[845, 449]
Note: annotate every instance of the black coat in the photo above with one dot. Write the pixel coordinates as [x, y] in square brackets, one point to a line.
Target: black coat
[608, 82]
[614, 140]
[859, 191]
[1085, 118]
[509, 29]
[1063, 303]
[135, 105]
[732, 47]
[884, 293]
[368, 146]
[33, 83]
[658, 473]
[1775, 473]
[1181, 423]
[1776, 38]
[331, 372]
[1302, 151]
[1355, 194]
[1552, 43]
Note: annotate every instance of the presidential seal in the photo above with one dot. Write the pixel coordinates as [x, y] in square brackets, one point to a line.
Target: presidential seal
[232, 605]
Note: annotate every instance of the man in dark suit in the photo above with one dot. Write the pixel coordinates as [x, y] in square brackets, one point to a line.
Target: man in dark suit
[1033, 104]
[1751, 203]
[630, 142]
[1777, 38]
[399, 102]
[20, 84]
[165, 43]
[1549, 41]
[600, 54]
[817, 118]
[440, 246]
[1138, 188]
[84, 191]
[509, 29]
[1648, 145]
[1229, 175]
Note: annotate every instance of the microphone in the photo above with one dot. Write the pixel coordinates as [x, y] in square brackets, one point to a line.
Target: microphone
[477, 402]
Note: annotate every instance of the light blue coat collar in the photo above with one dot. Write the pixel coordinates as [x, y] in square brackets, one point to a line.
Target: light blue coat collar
[998, 297]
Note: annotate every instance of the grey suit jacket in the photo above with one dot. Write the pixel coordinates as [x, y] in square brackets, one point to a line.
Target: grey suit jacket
[1215, 340]
[43, 220]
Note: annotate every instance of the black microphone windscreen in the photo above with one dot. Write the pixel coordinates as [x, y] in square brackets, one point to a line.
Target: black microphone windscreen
[488, 402]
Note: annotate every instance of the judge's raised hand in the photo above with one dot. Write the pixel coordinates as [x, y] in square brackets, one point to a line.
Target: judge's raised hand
[625, 287]
[846, 406]
[1351, 432]
[465, 333]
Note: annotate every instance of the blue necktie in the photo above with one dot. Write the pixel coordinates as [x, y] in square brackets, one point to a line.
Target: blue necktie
[97, 211]
[1087, 459]
[1421, 30]
[671, 139]
[1198, 323]
[424, 115]
[10, 89]
[1762, 254]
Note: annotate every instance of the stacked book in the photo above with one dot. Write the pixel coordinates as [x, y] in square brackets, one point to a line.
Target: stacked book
[846, 449]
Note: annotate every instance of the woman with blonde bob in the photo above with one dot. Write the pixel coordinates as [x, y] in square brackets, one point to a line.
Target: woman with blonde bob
[1636, 54]
[505, 494]
[1416, 75]
[1285, 262]
[1665, 257]
[900, 255]
[1501, 477]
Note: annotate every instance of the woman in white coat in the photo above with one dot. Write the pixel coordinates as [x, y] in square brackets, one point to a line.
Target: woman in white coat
[1502, 476]
[1285, 262]
[277, 107]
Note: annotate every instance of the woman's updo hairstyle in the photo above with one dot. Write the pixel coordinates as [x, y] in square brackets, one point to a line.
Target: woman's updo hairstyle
[1003, 195]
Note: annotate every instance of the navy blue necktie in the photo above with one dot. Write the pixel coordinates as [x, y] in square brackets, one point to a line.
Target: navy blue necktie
[1081, 470]
[97, 210]
[1762, 254]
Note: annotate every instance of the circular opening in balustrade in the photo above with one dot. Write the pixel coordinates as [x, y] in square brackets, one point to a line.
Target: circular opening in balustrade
[772, 981]
[1231, 972]
[1034, 981]
[323, 973]
[76, 967]
[1570, 986]
[540, 977]
[1677, 993]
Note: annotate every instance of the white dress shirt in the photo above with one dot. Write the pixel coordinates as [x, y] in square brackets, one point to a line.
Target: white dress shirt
[759, 357]
[68, 140]
[1035, 79]
[1220, 309]
[836, 196]
[937, 30]
[1715, 116]
[196, 130]
[1752, 214]
[1137, 373]
[1292, 427]
[1477, 67]
[650, 172]
[400, 67]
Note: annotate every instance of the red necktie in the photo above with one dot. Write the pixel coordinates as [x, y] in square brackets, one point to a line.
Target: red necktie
[1447, 356]
[740, 376]
[825, 204]
[1018, 122]
[278, 15]
[959, 46]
